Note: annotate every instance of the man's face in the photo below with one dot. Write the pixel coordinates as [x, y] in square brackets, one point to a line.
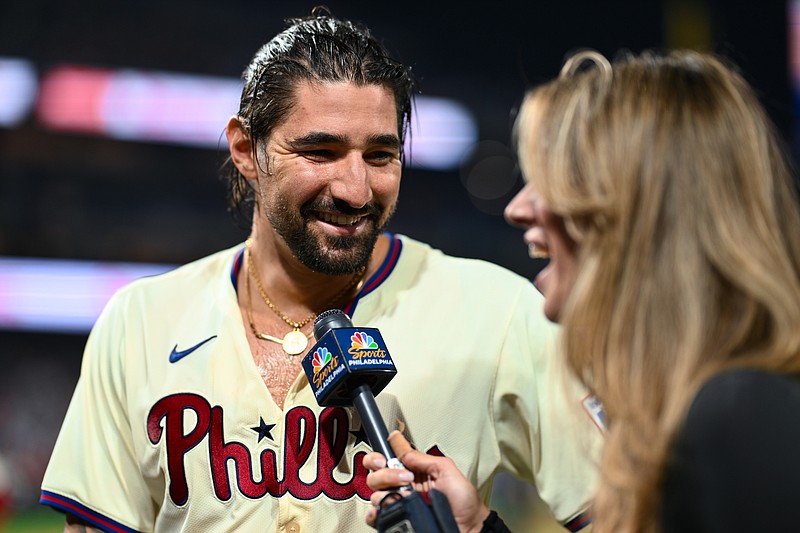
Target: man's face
[331, 176]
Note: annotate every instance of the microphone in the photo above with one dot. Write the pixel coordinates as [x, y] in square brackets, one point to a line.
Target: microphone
[349, 366]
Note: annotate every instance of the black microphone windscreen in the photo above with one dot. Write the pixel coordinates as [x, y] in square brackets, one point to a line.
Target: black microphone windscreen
[330, 319]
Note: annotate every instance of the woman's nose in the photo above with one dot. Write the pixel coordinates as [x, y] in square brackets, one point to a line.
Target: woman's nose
[520, 210]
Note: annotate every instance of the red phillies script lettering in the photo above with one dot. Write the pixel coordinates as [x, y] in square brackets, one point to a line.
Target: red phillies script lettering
[330, 433]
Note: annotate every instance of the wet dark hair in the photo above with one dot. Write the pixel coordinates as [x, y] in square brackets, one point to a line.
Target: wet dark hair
[316, 48]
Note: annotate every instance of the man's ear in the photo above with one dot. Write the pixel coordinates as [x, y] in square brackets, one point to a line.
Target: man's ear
[241, 148]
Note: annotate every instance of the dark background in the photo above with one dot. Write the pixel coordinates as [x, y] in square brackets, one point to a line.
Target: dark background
[87, 197]
[82, 197]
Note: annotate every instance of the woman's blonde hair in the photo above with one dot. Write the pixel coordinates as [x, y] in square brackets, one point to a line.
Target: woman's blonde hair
[670, 177]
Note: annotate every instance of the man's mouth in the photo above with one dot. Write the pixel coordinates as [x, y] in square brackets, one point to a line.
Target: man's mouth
[339, 220]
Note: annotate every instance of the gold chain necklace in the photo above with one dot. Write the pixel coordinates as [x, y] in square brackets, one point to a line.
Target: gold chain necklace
[294, 342]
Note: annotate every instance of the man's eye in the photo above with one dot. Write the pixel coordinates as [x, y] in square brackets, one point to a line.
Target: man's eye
[380, 156]
[318, 155]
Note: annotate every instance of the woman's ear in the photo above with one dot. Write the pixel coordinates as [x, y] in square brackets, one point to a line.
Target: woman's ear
[241, 148]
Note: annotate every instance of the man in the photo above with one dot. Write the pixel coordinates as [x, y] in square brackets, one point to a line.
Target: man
[192, 412]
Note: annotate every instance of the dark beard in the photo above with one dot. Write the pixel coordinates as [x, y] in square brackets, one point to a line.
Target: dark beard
[337, 255]
[332, 255]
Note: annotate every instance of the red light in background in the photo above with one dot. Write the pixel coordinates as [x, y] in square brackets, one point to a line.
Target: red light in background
[71, 99]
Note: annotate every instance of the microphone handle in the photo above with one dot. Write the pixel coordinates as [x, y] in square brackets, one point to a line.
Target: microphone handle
[364, 402]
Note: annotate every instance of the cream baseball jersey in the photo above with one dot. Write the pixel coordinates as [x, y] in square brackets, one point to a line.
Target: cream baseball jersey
[171, 427]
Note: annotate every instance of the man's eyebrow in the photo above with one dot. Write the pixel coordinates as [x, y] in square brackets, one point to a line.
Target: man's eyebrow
[316, 138]
[387, 139]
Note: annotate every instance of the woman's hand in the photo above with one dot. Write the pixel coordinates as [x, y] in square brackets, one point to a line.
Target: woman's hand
[425, 472]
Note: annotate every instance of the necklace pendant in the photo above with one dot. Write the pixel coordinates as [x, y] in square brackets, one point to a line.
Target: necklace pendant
[295, 342]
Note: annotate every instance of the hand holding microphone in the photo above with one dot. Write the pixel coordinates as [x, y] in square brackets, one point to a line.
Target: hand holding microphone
[426, 473]
[348, 366]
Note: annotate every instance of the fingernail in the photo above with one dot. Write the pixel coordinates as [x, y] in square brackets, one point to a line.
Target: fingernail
[405, 476]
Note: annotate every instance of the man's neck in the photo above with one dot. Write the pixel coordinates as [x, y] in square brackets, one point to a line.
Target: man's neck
[297, 290]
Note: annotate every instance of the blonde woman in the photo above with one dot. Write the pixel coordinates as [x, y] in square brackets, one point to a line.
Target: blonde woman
[659, 190]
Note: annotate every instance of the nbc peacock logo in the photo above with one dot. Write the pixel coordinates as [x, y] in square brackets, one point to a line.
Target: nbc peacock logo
[322, 356]
[362, 341]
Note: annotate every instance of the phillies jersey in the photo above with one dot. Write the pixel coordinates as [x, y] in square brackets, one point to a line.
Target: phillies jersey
[171, 427]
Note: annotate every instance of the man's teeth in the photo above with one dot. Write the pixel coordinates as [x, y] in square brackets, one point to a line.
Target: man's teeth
[340, 220]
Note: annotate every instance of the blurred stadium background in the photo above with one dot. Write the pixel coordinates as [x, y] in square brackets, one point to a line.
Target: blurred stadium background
[111, 122]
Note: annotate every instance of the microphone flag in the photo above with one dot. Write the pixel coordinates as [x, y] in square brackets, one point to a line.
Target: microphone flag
[345, 358]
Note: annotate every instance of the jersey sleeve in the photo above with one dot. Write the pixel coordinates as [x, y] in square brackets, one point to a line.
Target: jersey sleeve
[735, 464]
[93, 471]
[546, 435]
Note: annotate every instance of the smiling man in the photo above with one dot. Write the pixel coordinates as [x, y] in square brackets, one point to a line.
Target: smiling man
[192, 412]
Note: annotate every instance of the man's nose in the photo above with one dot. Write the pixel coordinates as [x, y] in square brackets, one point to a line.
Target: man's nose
[351, 183]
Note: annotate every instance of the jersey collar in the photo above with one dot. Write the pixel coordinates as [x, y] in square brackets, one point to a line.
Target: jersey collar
[374, 281]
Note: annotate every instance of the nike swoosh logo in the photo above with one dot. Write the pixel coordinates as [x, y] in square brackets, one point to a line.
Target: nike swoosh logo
[177, 355]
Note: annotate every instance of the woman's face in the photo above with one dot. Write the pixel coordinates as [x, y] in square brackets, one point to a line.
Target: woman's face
[546, 236]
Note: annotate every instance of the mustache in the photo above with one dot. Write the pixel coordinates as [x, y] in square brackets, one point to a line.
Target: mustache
[341, 208]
